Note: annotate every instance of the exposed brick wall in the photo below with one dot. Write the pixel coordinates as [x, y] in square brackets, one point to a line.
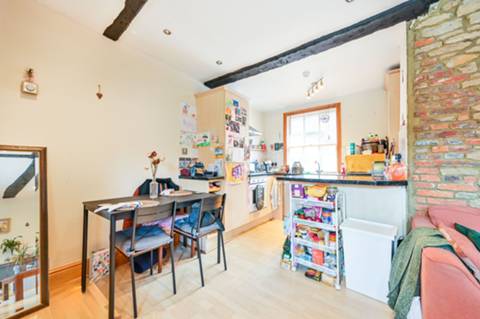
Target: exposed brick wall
[444, 106]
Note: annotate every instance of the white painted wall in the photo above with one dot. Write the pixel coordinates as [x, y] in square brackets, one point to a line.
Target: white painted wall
[96, 148]
[362, 113]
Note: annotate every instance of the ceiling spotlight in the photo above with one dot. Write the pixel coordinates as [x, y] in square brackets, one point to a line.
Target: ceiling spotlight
[314, 87]
[167, 32]
[219, 62]
[306, 74]
[349, 1]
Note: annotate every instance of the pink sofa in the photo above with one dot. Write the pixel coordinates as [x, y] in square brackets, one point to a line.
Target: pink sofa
[448, 289]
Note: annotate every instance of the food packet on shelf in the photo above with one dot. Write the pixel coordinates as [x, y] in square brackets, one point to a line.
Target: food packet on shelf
[317, 191]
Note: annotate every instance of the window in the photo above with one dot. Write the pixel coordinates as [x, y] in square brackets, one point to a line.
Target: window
[313, 135]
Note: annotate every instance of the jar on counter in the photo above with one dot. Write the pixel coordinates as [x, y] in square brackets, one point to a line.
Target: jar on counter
[331, 193]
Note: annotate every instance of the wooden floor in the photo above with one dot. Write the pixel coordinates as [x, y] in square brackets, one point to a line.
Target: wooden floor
[253, 287]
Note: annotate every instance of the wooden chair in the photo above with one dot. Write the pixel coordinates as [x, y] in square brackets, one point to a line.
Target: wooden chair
[17, 280]
[209, 220]
[136, 241]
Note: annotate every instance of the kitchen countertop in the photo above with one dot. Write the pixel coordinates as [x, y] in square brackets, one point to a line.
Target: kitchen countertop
[339, 179]
[255, 174]
[201, 178]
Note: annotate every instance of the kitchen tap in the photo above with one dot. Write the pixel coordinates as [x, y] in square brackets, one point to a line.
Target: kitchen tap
[319, 170]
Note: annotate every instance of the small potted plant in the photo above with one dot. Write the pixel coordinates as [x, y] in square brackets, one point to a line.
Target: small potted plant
[10, 246]
[155, 160]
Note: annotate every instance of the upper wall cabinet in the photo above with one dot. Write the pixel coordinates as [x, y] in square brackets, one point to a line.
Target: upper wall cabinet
[224, 114]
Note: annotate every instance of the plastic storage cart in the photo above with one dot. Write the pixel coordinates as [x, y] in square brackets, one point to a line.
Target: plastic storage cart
[332, 249]
[368, 249]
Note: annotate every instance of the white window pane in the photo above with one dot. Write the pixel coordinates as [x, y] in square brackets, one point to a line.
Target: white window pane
[312, 123]
[328, 128]
[296, 132]
[312, 139]
[295, 140]
[310, 156]
[295, 154]
[296, 125]
[328, 158]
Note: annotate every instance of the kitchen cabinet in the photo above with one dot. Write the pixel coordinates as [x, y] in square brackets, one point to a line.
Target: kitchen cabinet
[392, 88]
[213, 108]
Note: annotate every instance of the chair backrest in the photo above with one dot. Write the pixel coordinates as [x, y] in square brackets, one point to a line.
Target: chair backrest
[213, 206]
[144, 189]
[211, 211]
[143, 215]
[163, 184]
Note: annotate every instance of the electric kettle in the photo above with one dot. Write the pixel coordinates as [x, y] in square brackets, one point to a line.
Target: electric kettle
[297, 168]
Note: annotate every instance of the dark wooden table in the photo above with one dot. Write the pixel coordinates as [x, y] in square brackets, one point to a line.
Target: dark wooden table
[113, 217]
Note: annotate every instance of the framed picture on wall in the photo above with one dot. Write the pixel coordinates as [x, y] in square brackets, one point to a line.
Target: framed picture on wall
[4, 225]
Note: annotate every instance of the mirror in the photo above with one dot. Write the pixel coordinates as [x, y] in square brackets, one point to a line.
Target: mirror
[23, 230]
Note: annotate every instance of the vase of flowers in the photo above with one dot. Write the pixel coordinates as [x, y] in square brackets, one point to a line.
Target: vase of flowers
[155, 160]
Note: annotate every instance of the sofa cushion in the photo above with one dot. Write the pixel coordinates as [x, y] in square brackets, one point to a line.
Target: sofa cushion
[464, 248]
[421, 220]
[471, 234]
[449, 215]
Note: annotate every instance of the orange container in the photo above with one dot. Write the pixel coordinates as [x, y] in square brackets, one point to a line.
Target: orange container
[318, 257]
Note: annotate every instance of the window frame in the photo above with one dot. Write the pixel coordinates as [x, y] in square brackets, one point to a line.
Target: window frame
[335, 106]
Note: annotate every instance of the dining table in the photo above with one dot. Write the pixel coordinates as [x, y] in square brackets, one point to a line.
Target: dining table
[90, 207]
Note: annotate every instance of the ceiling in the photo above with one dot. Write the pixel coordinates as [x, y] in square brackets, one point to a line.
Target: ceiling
[240, 33]
[10, 169]
[356, 66]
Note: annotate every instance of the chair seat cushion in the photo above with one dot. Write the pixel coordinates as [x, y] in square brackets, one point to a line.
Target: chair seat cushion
[146, 238]
[188, 228]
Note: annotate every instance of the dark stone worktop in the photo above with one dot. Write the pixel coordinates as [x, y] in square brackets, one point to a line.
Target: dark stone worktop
[344, 180]
[255, 174]
[201, 178]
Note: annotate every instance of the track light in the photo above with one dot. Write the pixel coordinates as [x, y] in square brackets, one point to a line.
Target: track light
[315, 87]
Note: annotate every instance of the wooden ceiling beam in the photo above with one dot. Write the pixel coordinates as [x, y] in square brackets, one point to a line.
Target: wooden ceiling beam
[16, 187]
[124, 18]
[403, 12]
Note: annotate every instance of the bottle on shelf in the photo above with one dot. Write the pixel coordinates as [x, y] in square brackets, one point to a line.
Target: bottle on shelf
[397, 171]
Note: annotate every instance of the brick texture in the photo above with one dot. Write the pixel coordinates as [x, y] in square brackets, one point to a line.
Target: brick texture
[445, 106]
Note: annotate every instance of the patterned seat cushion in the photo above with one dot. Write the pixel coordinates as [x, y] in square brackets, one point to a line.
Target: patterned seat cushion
[146, 238]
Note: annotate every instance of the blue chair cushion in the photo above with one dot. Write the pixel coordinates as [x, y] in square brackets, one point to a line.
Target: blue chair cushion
[190, 229]
[146, 238]
[189, 224]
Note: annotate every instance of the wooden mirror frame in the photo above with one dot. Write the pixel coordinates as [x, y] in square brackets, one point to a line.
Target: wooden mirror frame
[43, 240]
